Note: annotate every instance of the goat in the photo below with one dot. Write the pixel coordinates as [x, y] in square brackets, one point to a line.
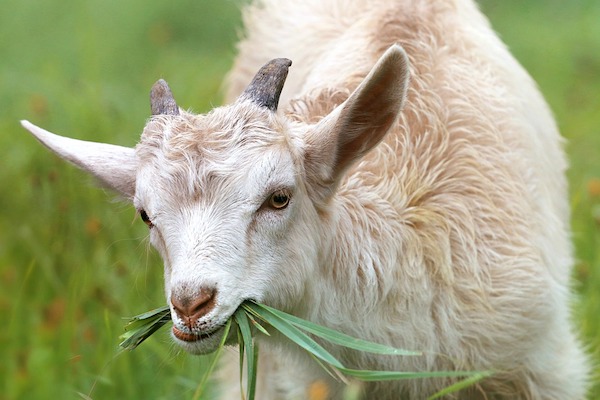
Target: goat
[442, 228]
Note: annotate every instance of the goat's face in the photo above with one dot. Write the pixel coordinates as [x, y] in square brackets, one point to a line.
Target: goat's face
[235, 199]
[225, 201]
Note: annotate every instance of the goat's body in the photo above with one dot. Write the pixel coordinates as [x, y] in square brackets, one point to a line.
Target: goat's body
[451, 236]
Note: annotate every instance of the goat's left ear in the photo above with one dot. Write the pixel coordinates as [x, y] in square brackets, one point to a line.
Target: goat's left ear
[114, 166]
[361, 122]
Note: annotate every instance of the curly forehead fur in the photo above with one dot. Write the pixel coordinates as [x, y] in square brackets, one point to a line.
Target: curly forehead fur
[188, 147]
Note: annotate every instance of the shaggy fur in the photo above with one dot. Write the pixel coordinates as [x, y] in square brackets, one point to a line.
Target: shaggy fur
[459, 220]
[449, 236]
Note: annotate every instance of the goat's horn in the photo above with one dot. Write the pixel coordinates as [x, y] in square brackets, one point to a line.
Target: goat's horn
[161, 99]
[267, 84]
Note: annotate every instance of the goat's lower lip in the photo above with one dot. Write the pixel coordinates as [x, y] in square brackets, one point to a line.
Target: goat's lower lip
[189, 337]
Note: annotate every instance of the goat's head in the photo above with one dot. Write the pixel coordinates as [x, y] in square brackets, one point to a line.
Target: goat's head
[235, 199]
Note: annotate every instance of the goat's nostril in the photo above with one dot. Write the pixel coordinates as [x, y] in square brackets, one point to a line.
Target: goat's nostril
[192, 308]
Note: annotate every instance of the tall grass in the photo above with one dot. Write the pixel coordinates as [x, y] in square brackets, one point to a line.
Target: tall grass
[73, 260]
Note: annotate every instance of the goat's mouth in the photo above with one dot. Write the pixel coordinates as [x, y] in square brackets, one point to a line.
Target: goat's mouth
[194, 337]
[205, 342]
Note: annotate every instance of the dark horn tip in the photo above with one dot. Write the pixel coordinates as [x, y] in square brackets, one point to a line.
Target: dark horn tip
[267, 84]
[161, 99]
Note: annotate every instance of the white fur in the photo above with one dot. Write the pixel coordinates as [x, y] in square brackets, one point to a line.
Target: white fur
[449, 234]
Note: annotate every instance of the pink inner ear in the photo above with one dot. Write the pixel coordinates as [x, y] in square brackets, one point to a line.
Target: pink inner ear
[357, 125]
[371, 110]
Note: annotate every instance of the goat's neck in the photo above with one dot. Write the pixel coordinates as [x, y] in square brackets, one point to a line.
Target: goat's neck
[352, 278]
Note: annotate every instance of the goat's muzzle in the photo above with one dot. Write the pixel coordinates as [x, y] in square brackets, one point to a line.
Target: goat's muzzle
[190, 309]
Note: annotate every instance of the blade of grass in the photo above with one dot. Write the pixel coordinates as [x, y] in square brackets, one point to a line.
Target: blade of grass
[142, 326]
[254, 368]
[281, 319]
[150, 314]
[244, 327]
[368, 376]
[293, 333]
[241, 351]
[337, 337]
[211, 367]
[331, 371]
[462, 384]
[257, 325]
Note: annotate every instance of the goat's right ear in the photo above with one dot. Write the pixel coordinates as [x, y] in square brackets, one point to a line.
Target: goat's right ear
[115, 166]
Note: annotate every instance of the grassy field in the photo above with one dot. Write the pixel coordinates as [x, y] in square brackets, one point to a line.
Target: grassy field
[74, 261]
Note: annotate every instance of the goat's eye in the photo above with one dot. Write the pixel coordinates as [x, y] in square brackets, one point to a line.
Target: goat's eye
[279, 200]
[146, 219]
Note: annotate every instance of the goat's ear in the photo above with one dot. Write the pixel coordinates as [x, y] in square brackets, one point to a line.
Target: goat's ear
[361, 122]
[114, 166]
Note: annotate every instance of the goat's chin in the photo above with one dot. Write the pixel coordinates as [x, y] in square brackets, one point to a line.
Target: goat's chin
[200, 344]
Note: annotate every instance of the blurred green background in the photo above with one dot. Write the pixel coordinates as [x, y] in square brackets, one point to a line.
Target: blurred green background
[74, 260]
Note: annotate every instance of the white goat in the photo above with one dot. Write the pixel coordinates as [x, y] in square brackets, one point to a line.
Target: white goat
[443, 230]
